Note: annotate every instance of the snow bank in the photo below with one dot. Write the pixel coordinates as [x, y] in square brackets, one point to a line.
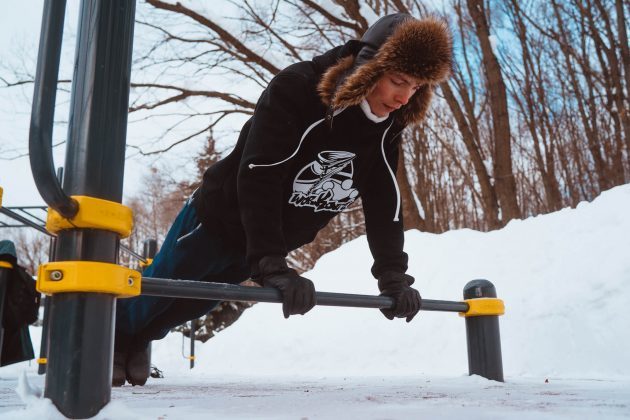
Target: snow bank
[561, 276]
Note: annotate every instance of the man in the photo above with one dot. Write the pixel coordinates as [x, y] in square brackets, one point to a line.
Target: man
[21, 306]
[324, 133]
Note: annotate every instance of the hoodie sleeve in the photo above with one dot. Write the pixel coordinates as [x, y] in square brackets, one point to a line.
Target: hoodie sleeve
[381, 207]
[273, 136]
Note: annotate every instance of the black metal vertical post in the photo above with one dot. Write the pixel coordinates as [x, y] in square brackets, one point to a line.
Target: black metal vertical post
[193, 327]
[82, 324]
[149, 248]
[4, 283]
[482, 335]
[43, 346]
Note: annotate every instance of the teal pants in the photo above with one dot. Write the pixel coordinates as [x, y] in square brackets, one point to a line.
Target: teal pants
[189, 252]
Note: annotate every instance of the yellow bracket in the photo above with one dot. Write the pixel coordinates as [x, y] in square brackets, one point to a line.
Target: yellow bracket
[190, 357]
[94, 213]
[5, 264]
[88, 276]
[42, 361]
[146, 264]
[484, 307]
[1, 191]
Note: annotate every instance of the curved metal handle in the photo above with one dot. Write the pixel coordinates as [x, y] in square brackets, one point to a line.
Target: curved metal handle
[43, 111]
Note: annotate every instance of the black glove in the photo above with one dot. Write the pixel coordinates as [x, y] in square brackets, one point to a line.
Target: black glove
[407, 300]
[298, 293]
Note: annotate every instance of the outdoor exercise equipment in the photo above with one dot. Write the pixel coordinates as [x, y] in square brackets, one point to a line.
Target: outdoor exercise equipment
[35, 217]
[82, 324]
[84, 282]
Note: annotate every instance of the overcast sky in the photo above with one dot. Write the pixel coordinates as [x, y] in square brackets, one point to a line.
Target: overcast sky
[19, 35]
[20, 25]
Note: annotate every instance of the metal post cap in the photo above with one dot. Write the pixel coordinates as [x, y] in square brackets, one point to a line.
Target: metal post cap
[479, 288]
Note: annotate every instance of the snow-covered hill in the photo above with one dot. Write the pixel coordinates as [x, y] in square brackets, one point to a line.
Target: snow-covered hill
[562, 278]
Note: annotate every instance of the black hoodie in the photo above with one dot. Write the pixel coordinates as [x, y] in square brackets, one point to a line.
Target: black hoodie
[292, 170]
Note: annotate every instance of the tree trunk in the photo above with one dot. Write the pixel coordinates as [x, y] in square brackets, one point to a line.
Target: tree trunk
[503, 174]
[488, 193]
[531, 102]
[410, 212]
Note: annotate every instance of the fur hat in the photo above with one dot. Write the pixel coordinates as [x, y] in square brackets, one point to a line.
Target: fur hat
[418, 48]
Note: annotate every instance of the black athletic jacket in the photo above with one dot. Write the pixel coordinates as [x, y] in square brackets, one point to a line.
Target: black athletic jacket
[293, 170]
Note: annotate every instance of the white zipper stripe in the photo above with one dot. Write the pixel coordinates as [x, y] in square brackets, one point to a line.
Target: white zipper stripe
[397, 214]
[188, 234]
[251, 165]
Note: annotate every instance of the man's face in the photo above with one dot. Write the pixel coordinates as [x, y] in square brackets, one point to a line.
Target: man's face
[391, 91]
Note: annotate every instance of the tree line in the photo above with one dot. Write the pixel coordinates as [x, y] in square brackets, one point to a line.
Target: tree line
[534, 118]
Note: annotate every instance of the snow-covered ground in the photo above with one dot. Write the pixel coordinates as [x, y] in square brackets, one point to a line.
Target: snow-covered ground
[565, 337]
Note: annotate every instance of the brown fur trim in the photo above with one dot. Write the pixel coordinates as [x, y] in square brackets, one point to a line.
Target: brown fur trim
[328, 83]
[418, 48]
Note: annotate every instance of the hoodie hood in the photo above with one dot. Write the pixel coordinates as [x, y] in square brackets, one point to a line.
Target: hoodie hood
[400, 43]
[7, 252]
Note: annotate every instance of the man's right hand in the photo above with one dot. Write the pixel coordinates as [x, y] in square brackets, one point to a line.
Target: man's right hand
[298, 293]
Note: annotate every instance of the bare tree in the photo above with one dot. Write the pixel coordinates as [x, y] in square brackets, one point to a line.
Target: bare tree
[531, 121]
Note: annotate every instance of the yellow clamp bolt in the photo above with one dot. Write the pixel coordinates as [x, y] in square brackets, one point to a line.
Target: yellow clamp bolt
[6, 264]
[484, 307]
[144, 265]
[88, 276]
[94, 213]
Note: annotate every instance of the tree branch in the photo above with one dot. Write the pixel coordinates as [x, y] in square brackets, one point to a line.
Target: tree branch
[186, 93]
[222, 33]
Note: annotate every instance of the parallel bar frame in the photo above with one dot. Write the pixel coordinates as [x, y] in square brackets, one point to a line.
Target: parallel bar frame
[152, 286]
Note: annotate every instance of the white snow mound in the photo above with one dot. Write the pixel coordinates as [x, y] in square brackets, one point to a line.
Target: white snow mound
[561, 275]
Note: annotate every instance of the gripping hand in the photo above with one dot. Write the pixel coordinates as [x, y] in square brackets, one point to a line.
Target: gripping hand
[407, 300]
[298, 293]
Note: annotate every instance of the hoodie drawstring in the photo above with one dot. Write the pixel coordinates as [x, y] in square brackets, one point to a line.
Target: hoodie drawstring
[391, 173]
[308, 130]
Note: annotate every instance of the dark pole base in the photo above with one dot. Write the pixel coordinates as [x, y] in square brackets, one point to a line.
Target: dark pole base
[482, 335]
[43, 347]
[4, 282]
[79, 383]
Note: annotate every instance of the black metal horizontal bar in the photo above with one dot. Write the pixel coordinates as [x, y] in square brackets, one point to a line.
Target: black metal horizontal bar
[29, 223]
[22, 219]
[44, 208]
[4, 225]
[33, 216]
[133, 254]
[188, 289]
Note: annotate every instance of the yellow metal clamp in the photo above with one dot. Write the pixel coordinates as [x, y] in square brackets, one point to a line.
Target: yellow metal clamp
[94, 213]
[42, 361]
[1, 191]
[88, 276]
[144, 265]
[484, 307]
[5, 264]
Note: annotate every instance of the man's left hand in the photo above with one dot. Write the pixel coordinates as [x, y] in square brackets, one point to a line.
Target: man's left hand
[407, 299]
